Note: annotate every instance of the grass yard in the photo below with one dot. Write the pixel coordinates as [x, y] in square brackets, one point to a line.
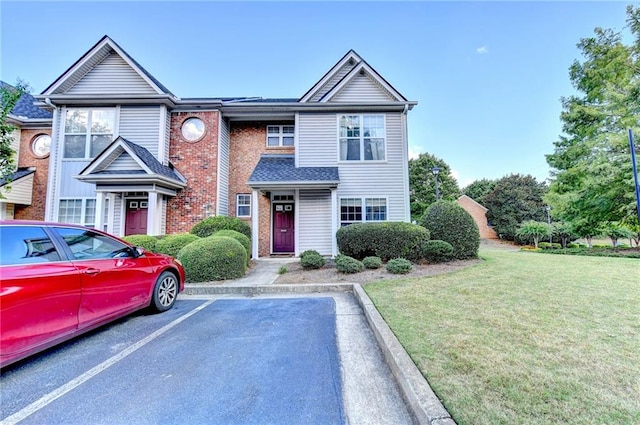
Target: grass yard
[525, 338]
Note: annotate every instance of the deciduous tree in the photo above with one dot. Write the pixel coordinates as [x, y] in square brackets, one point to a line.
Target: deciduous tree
[422, 183]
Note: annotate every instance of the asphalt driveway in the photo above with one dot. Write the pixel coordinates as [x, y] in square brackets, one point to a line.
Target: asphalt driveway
[223, 360]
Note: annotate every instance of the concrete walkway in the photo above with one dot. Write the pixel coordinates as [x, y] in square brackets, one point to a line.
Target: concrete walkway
[422, 403]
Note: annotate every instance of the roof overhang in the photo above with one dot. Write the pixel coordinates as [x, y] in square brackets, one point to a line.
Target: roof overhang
[104, 99]
[281, 185]
[119, 179]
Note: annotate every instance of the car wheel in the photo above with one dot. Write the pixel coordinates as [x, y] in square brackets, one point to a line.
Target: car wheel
[165, 292]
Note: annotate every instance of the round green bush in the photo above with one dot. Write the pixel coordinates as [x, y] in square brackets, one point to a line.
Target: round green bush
[346, 264]
[372, 262]
[309, 251]
[145, 241]
[385, 240]
[449, 222]
[312, 260]
[210, 225]
[436, 251]
[243, 239]
[172, 244]
[213, 258]
[399, 266]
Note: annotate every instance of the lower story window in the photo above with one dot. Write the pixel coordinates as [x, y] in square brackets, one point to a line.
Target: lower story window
[375, 209]
[243, 205]
[77, 211]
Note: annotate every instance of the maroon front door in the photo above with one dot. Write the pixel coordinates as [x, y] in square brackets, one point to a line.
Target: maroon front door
[136, 220]
[283, 228]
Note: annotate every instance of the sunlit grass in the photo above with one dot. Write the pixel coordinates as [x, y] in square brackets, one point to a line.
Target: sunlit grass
[525, 338]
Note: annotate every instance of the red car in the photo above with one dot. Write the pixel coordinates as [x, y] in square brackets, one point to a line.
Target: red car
[59, 280]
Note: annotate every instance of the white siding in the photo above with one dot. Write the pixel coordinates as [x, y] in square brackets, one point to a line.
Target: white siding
[141, 125]
[362, 89]
[15, 145]
[386, 179]
[19, 191]
[70, 187]
[124, 162]
[117, 217]
[346, 68]
[55, 164]
[163, 219]
[317, 140]
[112, 75]
[167, 135]
[223, 169]
[315, 221]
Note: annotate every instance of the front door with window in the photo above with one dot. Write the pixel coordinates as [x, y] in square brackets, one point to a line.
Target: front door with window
[136, 220]
[283, 228]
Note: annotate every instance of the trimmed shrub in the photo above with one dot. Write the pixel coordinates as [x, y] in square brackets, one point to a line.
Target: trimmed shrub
[145, 241]
[385, 240]
[213, 258]
[309, 251]
[399, 266]
[172, 244]
[210, 225]
[312, 260]
[243, 239]
[372, 262]
[449, 222]
[437, 251]
[547, 245]
[346, 264]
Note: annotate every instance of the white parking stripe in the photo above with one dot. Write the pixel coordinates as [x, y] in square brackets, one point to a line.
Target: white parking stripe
[62, 390]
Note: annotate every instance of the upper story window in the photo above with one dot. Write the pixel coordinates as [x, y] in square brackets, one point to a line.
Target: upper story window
[280, 135]
[41, 145]
[87, 131]
[192, 129]
[362, 138]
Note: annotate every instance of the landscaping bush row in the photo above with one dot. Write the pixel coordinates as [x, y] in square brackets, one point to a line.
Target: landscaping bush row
[385, 240]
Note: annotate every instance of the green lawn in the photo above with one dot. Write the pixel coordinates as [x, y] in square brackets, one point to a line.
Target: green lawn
[525, 338]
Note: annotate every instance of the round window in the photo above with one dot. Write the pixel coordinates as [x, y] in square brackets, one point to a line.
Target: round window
[192, 129]
[41, 145]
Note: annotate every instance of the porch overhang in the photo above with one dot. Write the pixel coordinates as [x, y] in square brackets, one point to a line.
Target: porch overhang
[278, 172]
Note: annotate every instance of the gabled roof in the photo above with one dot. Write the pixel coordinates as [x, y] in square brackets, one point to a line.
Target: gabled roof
[25, 109]
[281, 170]
[342, 73]
[95, 55]
[143, 167]
[469, 198]
[17, 175]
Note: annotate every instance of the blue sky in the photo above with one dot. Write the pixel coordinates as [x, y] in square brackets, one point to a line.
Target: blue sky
[488, 76]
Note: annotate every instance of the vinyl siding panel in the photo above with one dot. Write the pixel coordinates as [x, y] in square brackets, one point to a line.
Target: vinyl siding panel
[362, 89]
[223, 169]
[141, 125]
[70, 187]
[317, 140]
[315, 221]
[112, 75]
[20, 191]
[124, 162]
[333, 81]
[362, 179]
[117, 217]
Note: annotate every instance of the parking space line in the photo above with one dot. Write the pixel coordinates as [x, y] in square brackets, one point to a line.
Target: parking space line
[74, 383]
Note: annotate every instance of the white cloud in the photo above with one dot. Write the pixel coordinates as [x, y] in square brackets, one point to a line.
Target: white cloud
[482, 50]
[414, 152]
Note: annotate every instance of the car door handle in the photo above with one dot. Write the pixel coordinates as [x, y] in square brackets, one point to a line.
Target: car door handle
[92, 271]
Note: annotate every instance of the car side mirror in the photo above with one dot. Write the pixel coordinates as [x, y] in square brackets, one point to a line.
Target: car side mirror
[138, 251]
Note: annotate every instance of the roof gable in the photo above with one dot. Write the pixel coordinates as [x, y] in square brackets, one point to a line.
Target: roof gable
[105, 58]
[352, 79]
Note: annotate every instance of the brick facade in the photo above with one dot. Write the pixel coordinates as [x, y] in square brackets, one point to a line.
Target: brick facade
[248, 141]
[198, 163]
[26, 158]
[479, 214]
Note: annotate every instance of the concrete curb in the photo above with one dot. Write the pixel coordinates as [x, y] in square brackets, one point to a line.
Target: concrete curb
[422, 401]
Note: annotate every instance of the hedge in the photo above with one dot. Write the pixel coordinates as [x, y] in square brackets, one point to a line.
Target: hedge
[385, 240]
[437, 251]
[210, 225]
[243, 239]
[449, 222]
[147, 242]
[172, 244]
[213, 258]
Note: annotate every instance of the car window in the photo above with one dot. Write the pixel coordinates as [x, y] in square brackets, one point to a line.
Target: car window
[86, 244]
[26, 245]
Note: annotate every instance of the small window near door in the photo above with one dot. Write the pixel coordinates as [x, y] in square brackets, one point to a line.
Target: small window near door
[243, 205]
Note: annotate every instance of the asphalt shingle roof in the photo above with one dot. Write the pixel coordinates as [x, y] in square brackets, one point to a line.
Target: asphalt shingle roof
[282, 169]
[150, 161]
[25, 108]
[18, 174]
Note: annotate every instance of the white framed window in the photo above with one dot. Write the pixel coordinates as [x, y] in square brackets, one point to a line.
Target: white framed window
[77, 211]
[362, 137]
[280, 135]
[87, 132]
[351, 210]
[243, 205]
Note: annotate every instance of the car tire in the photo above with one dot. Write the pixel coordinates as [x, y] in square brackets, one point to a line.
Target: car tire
[165, 292]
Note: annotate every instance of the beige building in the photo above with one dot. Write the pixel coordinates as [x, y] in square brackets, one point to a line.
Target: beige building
[479, 214]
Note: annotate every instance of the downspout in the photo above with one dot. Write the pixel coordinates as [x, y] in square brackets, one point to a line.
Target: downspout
[407, 203]
[52, 178]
